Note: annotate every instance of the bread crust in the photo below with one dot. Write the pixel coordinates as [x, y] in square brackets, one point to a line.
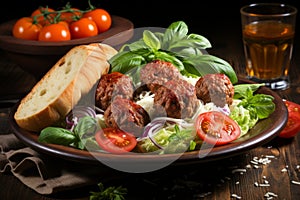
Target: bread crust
[61, 88]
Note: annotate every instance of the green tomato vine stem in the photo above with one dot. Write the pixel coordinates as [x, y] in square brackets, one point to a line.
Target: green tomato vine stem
[48, 15]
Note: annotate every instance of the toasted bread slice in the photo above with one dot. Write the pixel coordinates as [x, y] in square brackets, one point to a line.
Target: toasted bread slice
[61, 88]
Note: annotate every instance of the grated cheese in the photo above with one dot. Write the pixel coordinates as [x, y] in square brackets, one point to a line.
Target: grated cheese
[147, 102]
[191, 80]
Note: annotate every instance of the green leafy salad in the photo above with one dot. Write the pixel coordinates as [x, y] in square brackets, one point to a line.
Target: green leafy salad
[217, 125]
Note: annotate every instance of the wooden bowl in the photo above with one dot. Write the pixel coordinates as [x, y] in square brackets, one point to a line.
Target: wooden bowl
[38, 57]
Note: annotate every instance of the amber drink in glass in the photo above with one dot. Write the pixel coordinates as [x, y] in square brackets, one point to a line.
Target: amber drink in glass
[268, 33]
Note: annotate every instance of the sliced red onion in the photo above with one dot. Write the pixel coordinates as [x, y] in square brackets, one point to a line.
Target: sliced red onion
[224, 110]
[152, 132]
[77, 113]
[99, 110]
[152, 128]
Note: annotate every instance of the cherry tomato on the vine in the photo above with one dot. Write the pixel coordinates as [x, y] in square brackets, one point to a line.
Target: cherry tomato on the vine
[292, 127]
[115, 140]
[101, 17]
[82, 28]
[46, 15]
[54, 33]
[216, 128]
[24, 28]
[70, 16]
[64, 23]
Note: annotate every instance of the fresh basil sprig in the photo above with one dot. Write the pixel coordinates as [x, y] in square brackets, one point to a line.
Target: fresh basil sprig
[259, 105]
[82, 134]
[175, 45]
[57, 135]
[246, 90]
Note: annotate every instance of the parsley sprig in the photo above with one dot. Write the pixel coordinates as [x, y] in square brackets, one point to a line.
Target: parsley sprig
[109, 193]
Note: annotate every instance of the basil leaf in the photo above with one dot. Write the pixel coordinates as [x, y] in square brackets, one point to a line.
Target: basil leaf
[263, 105]
[190, 70]
[193, 40]
[200, 41]
[209, 64]
[151, 40]
[57, 135]
[241, 90]
[189, 51]
[85, 127]
[176, 31]
[169, 58]
[125, 61]
[140, 44]
[174, 45]
[90, 144]
[160, 37]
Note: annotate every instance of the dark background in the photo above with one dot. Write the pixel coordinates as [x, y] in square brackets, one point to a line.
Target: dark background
[218, 21]
[201, 16]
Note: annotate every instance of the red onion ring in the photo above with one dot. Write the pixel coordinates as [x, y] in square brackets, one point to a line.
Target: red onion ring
[77, 113]
[152, 128]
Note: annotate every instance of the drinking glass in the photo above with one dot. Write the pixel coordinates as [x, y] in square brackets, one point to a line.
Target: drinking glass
[268, 34]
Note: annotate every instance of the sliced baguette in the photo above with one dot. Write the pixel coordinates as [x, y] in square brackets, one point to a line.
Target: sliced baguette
[61, 88]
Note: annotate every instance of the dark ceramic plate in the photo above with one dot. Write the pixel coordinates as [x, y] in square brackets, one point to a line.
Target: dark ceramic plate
[263, 132]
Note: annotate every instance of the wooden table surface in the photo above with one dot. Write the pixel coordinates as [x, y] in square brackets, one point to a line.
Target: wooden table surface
[266, 172]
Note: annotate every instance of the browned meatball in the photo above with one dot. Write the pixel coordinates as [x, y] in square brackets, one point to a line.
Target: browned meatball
[158, 72]
[216, 88]
[126, 115]
[111, 86]
[178, 98]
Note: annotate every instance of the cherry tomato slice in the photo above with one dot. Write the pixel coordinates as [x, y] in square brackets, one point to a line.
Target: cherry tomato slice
[82, 28]
[24, 28]
[293, 124]
[115, 140]
[101, 17]
[216, 128]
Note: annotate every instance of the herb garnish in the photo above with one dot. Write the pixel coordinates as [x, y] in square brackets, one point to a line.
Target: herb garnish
[109, 193]
[81, 137]
[175, 45]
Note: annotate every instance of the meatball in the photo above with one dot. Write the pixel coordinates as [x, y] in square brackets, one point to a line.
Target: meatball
[158, 72]
[111, 86]
[126, 115]
[216, 88]
[178, 98]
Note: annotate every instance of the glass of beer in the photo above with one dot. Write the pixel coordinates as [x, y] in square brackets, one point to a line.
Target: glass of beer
[268, 33]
